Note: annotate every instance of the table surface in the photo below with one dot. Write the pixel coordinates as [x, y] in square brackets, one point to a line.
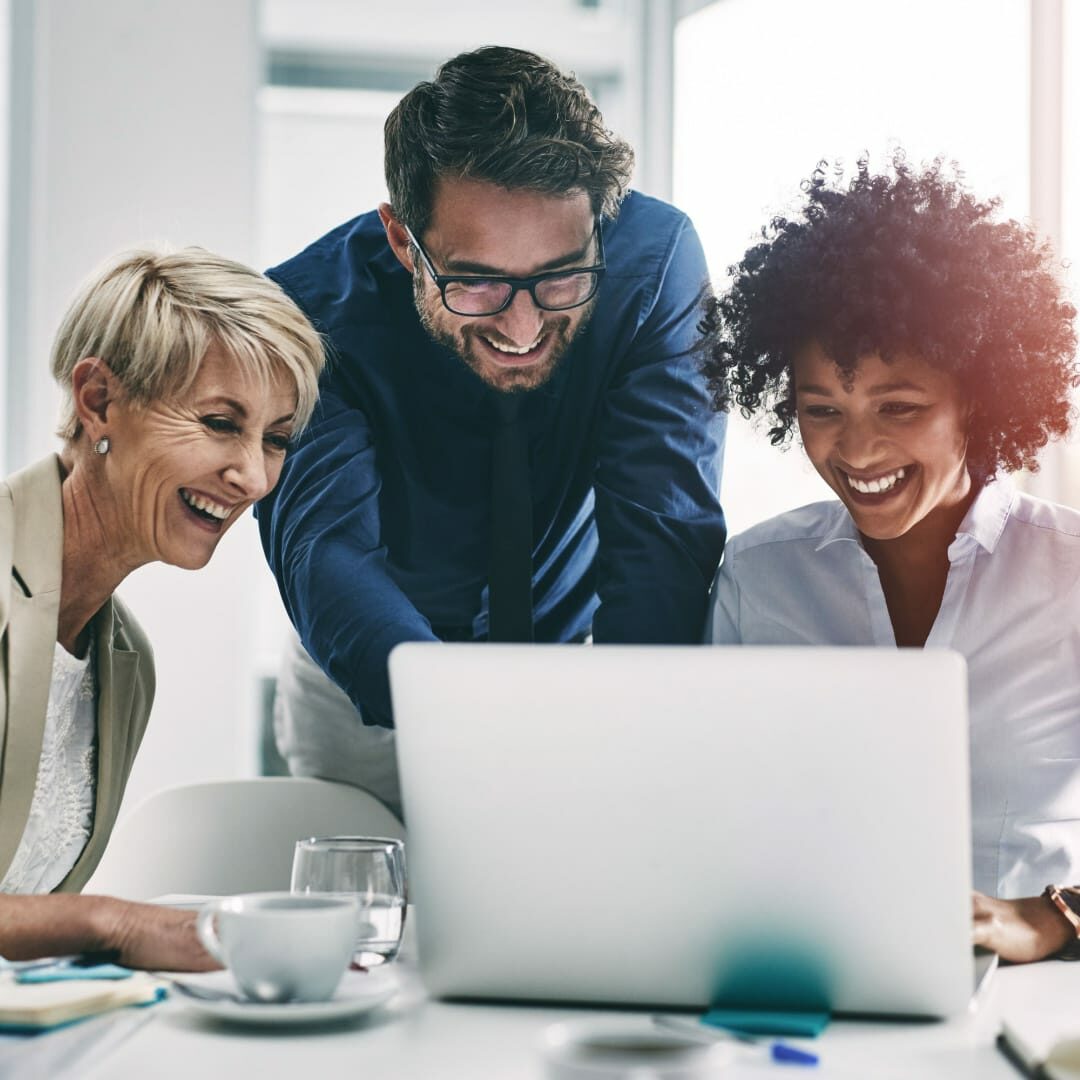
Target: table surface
[416, 1038]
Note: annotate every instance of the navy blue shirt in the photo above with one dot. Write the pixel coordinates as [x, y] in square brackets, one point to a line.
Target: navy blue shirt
[378, 529]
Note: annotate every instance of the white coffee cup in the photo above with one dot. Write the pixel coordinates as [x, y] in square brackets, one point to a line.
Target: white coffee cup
[280, 946]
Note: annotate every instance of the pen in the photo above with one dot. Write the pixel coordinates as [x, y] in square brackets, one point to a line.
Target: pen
[780, 1052]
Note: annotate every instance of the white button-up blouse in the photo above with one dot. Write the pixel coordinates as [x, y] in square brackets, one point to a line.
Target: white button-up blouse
[1011, 607]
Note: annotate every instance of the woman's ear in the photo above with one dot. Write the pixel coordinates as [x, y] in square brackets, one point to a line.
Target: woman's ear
[93, 391]
[396, 236]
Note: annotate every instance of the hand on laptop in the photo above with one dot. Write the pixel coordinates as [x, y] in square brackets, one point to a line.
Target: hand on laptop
[1019, 930]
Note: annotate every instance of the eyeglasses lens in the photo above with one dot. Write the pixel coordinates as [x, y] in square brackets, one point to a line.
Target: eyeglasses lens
[489, 297]
[565, 292]
[476, 297]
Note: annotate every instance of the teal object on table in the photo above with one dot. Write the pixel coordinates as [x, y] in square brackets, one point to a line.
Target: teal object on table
[67, 972]
[768, 1021]
[772, 984]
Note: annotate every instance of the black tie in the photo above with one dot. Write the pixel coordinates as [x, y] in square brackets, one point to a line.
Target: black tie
[510, 577]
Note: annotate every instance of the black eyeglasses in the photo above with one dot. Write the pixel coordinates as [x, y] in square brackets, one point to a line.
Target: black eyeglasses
[484, 294]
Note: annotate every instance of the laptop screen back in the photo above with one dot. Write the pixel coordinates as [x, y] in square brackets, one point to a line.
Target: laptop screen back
[687, 826]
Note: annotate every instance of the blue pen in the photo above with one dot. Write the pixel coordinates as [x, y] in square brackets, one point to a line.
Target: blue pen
[781, 1052]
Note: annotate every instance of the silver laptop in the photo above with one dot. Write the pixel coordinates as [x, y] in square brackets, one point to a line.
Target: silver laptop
[689, 826]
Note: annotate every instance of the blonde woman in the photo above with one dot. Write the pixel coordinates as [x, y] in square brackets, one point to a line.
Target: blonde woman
[185, 377]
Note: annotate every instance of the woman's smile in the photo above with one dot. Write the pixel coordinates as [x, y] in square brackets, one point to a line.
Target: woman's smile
[889, 438]
[877, 488]
[207, 512]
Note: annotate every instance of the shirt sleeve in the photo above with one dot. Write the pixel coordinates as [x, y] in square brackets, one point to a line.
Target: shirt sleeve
[321, 534]
[659, 453]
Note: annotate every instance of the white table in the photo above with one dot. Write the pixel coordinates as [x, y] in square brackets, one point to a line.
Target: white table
[415, 1038]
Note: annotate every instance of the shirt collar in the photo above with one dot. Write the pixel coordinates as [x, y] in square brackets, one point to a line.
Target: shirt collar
[986, 517]
[984, 522]
[842, 527]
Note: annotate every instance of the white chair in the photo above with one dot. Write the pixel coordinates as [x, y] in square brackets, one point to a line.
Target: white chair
[230, 836]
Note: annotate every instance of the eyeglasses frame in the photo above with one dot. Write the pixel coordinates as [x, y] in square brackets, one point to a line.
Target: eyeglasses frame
[516, 283]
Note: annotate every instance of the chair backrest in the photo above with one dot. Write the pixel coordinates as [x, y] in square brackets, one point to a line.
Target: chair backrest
[230, 836]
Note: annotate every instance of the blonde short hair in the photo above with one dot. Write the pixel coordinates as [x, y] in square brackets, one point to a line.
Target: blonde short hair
[152, 315]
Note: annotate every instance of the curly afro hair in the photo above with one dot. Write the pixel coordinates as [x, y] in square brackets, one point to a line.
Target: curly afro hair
[904, 263]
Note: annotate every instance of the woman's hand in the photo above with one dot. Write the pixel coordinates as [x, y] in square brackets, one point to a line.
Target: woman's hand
[1019, 930]
[145, 935]
[150, 936]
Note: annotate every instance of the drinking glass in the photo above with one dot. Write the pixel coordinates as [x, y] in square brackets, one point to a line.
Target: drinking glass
[369, 869]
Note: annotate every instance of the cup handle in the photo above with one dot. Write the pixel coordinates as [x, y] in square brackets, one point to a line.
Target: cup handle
[207, 933]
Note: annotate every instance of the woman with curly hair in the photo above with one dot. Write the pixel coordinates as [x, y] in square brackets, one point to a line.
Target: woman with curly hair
[924, 348]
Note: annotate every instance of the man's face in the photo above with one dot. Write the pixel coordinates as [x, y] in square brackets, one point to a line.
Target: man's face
[481, 228]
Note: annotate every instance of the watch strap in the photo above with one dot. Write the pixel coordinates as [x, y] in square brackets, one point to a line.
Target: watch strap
[1066, 898]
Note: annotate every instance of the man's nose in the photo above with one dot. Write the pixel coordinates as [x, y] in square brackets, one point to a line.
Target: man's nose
[522, 321]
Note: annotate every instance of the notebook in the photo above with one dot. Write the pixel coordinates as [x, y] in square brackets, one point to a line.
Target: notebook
[1045, 1041]
[759, 828]
[27, 1007]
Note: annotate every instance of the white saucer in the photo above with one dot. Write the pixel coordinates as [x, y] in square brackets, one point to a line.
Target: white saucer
[358, 993]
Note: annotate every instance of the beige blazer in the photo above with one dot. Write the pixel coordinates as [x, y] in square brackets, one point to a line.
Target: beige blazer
[31, 551]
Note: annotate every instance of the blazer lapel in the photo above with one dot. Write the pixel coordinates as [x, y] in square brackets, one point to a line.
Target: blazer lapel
[117, 670]
[30, 639]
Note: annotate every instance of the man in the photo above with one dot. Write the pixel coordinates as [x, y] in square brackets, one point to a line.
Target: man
[513, 439]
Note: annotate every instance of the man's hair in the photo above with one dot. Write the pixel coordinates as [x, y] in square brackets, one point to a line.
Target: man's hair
[152, 316]
[906, 262]
[508, 117]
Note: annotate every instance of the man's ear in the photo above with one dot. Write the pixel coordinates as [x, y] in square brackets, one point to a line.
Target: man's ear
[396, 236]
[93, 390]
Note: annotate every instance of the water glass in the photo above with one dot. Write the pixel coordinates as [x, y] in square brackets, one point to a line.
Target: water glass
[370, 870]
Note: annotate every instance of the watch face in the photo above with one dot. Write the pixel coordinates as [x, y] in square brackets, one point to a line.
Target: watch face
[1071, 895]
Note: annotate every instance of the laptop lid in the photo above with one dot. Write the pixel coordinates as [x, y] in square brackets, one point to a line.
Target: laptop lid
[689, 826]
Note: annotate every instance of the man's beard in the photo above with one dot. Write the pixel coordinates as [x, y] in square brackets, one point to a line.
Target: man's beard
[461, 342]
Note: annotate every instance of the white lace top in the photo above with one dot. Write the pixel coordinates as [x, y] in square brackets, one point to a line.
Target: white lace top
[62, 810]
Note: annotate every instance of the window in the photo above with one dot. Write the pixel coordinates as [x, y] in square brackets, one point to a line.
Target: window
[764, 89]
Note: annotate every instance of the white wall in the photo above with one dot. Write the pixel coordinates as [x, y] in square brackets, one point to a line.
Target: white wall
[320, 163]
[133, 121]
[620, 49]
[5, 124]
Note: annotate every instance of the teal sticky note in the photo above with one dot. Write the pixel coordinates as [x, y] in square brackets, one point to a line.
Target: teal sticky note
[768, 1021]
[66, 972]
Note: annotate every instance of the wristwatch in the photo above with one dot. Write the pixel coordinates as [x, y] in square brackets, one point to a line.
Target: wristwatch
[1066, 898]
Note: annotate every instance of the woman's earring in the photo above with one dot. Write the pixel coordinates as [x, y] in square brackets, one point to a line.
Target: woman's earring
[102, 445]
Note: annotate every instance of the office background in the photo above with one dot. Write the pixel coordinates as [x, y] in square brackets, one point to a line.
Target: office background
[252, 126]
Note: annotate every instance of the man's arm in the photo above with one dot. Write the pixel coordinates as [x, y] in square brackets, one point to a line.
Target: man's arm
[321, 533]
[660, 449]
